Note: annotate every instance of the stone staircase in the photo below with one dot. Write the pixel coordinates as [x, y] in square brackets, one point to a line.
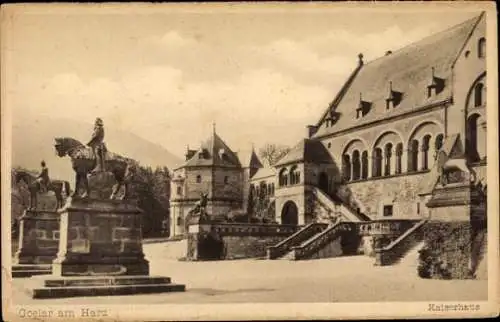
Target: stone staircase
[339, 208]
[282, 248]
[325, 244]
[398, 249]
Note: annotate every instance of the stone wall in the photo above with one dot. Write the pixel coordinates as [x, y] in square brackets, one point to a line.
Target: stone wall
[400, 191]
[192, 188]
[234, 241]
[233, 188]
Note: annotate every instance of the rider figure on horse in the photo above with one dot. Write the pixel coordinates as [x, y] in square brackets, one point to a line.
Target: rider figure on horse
[43, 178]
[97, 144]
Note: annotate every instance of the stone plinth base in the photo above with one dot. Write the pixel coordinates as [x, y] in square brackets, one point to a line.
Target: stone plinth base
[62, 287]
[38, 237]
[28, 270]
[100, 237]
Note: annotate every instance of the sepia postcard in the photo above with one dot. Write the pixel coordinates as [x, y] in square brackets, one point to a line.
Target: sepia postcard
[249, 161]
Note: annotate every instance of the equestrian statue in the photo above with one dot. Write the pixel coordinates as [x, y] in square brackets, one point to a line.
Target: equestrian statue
[42, 184]
[94, 158]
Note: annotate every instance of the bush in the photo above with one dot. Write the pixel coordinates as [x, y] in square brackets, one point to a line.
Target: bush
[447, 250]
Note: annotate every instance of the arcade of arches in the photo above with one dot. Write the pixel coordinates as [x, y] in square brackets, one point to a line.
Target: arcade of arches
[392, 155]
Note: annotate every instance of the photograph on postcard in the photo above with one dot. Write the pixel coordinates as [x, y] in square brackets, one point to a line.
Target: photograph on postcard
[180, 155]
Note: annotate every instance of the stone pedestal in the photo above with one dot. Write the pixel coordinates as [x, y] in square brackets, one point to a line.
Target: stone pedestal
[100, 237]
[100, 252]
[457, 214]
[38, 243]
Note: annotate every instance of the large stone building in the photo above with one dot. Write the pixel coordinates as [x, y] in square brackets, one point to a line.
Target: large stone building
[373, 150]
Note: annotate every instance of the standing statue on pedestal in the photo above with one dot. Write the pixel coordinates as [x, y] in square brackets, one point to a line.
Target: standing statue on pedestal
[43, 178]
[97, 145]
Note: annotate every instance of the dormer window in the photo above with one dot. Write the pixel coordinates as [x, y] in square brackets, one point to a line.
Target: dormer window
[331, 119]
[363, 108]
[481, 48]
[394, 98]
[222, 154]
[436, 85]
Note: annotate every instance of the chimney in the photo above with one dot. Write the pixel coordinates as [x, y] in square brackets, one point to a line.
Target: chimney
[360, 59]
[311, 130]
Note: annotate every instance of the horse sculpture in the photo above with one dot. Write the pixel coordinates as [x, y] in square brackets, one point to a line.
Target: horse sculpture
[59, 187]
[84, 161]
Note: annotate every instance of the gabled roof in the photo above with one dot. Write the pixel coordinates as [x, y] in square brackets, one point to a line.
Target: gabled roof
[249, 159]
[214, 152]
[306, 150]
[410, 71]
[264, 173]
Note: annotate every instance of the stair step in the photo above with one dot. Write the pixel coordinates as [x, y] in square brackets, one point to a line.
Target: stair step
[106, 281]
[24, 267]
[75, 291]
[29, 273]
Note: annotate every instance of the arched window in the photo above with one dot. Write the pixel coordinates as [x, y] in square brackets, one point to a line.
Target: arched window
[198, 179]
[283, 177]
[263, 188]
[413, 156]
[226, 180]
[481, 48]
[387, 159]
[179, 190]
[364, 165]
[425, 152]
[399, 155]
[179, 221]
[478, 95]
[346, 167]
[377, 162]
[356, 165]
[471, 140]
[294, 175]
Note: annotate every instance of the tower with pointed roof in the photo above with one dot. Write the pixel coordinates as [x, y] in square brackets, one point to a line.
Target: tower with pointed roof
[212, 169]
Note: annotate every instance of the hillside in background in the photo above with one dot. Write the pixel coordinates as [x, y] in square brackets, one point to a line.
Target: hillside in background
[33, 141]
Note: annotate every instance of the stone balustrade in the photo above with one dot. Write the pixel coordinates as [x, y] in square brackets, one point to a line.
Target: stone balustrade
[300, 236]
[246, 229]
[386, 227]
[314, 245]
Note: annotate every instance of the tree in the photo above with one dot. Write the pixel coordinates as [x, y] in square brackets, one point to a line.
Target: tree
[272, 153]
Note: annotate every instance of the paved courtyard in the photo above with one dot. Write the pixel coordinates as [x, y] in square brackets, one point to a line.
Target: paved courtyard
[346, 279]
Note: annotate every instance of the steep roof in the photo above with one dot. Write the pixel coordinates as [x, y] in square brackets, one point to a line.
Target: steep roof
[410, 71]
[249, 159]
[306, 151]
[213, 152]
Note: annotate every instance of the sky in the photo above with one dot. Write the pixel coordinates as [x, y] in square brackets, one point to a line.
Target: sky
[167, 75]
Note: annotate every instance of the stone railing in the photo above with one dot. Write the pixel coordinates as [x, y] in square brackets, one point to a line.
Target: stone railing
[313, 245]
[300, 236]
[393, 252]
[251, 229]
[386, 227]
